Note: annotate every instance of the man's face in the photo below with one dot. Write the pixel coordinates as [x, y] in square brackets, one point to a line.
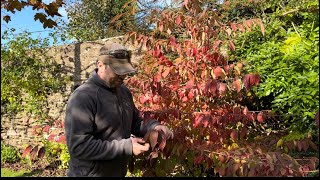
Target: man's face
[106, 73]
[114, 79]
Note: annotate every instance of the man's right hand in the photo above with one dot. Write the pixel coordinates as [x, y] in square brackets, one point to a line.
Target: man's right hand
[139, 146]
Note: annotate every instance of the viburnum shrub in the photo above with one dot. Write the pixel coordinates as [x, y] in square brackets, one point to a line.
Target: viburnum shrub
[188, 81]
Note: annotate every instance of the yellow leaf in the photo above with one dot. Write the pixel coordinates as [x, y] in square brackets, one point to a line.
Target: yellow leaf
[279, 143]
[237, 70]
[212, 74]
[223, 74]
[169, 31]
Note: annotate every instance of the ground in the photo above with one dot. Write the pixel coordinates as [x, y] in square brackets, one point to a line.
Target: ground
[36, 170]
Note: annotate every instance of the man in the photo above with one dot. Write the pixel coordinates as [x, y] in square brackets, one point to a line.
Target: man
[101, 117]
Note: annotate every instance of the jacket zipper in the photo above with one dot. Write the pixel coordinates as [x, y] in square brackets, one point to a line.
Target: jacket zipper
[120, 110]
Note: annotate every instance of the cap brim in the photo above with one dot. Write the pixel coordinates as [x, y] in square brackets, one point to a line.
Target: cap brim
[122, 67]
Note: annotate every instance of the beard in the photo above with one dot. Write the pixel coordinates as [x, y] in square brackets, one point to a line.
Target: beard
[115, 82]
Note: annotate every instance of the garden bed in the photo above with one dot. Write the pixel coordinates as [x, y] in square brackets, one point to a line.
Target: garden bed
[36, 170]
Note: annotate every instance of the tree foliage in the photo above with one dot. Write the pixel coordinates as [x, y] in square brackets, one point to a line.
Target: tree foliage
[287, 57]
[27, 74]
[50, 9]
[91, 19]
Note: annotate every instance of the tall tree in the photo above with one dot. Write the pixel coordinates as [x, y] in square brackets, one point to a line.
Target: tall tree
[91, 19]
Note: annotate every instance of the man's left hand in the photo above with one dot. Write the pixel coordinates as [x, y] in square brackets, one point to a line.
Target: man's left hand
[165, 130]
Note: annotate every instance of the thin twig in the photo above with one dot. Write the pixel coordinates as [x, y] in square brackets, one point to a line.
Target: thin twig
[288, 12]
[294, 27]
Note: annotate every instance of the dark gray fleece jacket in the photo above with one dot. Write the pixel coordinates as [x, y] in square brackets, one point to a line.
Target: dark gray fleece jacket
[98, 124]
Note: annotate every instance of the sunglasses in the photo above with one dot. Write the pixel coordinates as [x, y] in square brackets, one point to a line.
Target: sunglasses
[119, 54]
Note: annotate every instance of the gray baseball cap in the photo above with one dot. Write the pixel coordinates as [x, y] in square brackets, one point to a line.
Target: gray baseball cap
[118, 57]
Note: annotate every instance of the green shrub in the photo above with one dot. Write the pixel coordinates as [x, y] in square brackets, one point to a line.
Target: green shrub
[287, 58]
[9, 154]
[57, 151]
[28, 74]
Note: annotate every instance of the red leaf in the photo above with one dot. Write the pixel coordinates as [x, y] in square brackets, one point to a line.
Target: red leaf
[222, 88]
[256, 79]
[34, 153]
[62, 139]
[244, 132]
[245, 111]
[163, 142]
[234, 135]
[197, 160]
[178, 20]
[194, 51]
[236, 110]
[216, 44]
[198, 119]
[157, 78]
[173, 41]
[228, 31]
[314, 146]
[217, 71]
[222, 171]
[160, 26]
[211, 87]
[156, 99]
[186, 4]
[166, 72]
[222, 158]
[26, 151]
[236, 85]
[246, 81]
[185, 99]
[41, 152]
[233, 27]
[261, 117]
[190, 95]
[240, 65]
[232, 46]
[153, 138]
[241, 28]
[259, 22]
[299, 145]
[304, 145]
[46, 128]
[245, 169]
[248, 24]
[189, 84]
[252, 116]
[51, 137]
[226, 69]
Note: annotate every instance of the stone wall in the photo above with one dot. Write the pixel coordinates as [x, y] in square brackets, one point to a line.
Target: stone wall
[77, 62]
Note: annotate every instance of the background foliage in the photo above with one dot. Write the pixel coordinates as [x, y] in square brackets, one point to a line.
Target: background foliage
[91, 20]
[287, 59]
[28, 75]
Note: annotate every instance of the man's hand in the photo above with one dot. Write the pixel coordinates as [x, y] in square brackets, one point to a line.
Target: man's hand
[139, 146]
[165, 130]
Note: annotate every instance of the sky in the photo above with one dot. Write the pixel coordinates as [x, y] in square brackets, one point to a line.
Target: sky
[24, 21]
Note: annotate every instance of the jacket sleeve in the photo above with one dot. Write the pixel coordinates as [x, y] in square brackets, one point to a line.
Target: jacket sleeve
[79, 127]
